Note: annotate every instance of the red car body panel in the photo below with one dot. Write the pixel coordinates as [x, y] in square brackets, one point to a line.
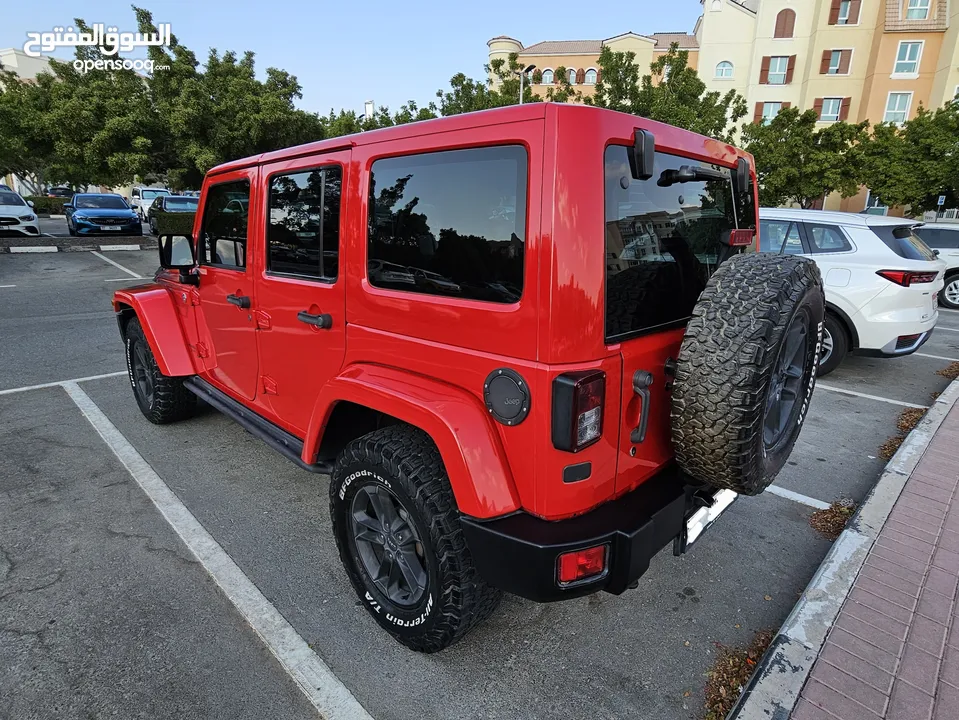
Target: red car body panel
[424, 358]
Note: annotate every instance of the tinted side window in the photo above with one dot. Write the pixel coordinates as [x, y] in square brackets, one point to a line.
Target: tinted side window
[826, 239]
[903, 241]
[450, 223]
[303, 234]
[780, 236]
[939, 237]
[662, 240]
[223, 234]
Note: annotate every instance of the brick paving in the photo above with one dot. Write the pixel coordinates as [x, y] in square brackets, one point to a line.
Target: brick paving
[893, 651]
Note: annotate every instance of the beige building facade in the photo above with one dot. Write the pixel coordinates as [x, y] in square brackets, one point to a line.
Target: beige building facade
[855, 60]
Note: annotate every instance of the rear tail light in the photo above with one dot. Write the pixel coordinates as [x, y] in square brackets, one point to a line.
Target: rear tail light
[578, 409]
[907, 277]
[579, 565]
[741, 238]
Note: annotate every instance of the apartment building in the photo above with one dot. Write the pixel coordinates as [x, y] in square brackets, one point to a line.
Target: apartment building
[875, 60]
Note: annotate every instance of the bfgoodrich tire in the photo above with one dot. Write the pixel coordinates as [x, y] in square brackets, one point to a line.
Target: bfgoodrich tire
[399, 536]
[747, 369]
[162, 399]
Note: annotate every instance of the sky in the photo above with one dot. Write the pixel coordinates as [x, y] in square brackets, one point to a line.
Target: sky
[345, 53]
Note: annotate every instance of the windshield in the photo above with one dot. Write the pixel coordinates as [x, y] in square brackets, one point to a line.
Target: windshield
[11, 199]
[904, 242]
[185, 204]
[663, 239]
[101, 202]
[151, 194]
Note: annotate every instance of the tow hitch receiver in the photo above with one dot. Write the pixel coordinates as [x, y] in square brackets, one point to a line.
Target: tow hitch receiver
[703, 506]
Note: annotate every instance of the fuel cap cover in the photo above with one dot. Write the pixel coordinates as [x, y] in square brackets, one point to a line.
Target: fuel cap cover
[507, 396]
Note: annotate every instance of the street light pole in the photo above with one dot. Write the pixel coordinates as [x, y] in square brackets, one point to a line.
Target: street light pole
[522, 75]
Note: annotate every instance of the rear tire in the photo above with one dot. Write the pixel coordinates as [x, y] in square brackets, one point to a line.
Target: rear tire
[949, 296]
[747, 369]
[162, 399]
[394, 479]
[835, 345]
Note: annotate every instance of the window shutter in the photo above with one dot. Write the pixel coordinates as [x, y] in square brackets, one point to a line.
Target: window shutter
[580, 76]
[834, 12]
[758, 114]
[599, 76]
[824, 63]
[785, 106]
[844, 59]
[817, 106]
[854, 7]
[844, 108]
[788, 23]
[764, 72]
[790, 68]
[780, 24]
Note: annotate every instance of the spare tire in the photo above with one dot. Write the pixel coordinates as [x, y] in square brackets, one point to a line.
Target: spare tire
[747, 369]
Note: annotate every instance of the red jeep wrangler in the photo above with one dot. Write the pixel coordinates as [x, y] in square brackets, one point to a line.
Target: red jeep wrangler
[531, 346]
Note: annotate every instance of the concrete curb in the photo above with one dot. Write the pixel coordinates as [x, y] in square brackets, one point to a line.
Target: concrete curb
[772, 692]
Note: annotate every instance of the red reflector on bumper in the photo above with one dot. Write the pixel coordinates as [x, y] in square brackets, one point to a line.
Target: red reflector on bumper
[581, 564]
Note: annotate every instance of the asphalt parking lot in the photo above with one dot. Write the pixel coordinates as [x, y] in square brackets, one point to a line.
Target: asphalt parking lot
[105, 611]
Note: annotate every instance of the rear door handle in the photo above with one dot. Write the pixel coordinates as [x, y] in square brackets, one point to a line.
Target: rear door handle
[241, 301]
[323, 322]
[641, 382]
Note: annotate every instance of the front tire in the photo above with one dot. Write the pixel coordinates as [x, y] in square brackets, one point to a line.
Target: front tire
[399, 537]
[949, 297]
[162, 399]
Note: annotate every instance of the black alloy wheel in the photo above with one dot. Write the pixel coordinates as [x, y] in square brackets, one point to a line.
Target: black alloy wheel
[142, 374]
[783, 400]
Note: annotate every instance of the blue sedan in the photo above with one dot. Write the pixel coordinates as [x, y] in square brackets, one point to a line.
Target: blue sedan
[92, 213]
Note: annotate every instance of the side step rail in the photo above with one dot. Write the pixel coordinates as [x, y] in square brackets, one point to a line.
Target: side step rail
[290, 446]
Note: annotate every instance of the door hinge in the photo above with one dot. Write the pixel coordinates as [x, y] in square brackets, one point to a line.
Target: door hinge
[201, 351]
[269, 385]
[263, 320]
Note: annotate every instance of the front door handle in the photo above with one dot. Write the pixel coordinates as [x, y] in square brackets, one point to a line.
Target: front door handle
[641, 382]
[323, 322]
[241, 301]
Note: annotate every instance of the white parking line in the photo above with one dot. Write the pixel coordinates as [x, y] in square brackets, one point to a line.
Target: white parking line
[115, 264]
[842, 391]
[328, 695]
[937, 357]
[128, 279]
[7, 286]
[940, 327]
[797, 497]
[11, 391]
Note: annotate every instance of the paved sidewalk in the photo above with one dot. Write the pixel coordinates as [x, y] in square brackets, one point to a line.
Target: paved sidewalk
[893, 651]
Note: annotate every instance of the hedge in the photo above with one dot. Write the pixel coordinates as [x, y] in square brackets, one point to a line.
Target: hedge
[44, 204]
[180, 223]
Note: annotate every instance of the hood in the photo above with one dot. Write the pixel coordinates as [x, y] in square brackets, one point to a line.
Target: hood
[16, 210]
[105, 212]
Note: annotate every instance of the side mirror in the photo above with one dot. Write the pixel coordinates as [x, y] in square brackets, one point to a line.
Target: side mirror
[642, 155]
[67, 206]
[30, 203]
[176, 253]
[742, 176]
[935, 252]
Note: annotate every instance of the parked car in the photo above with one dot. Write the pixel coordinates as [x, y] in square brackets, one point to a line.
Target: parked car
[550, 426]
[92, 213]
[944, 238]
[170, 204]
[60, 192]
[7, 188]
[17, 216]
[881, 279]
[141, 198]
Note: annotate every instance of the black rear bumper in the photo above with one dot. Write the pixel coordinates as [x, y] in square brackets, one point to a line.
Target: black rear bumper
[518, 552]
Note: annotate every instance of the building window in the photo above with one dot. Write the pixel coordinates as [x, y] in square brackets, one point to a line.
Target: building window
[845, 12]
[770, 110]
[547, 77]
[590, 77]
[716, 5]
[785, 24]
[907, 59]
[874, 206]
[830, 109]
[777, 70]
[572, 76]
[835, 57]
[897, 108]
[724, 69]
[844, 7]
[917, 10]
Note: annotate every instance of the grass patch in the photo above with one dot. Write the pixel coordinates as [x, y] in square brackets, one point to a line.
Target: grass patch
[730, 673]
[951, 372]
[830, 522]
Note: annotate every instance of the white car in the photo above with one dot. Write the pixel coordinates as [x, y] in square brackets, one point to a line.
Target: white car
[17, 216]
[142, 198]
[881, 280]
[944, 238]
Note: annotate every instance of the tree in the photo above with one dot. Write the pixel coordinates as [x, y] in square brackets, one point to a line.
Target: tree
[26, 145]
[796, 162]
[672, 93]
[916, 163]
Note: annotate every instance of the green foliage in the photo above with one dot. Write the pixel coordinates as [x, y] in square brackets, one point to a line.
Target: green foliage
[796, 162]
[47, 205]
[916, 163]
[179, 223]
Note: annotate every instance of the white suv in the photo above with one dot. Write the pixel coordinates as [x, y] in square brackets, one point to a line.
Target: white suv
[141, 198]
[944, 239]
[881, 280]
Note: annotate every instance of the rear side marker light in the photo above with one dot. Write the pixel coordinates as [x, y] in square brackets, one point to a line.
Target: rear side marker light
[579, 565]
[741, 238]
[578, 400]
[905, 278]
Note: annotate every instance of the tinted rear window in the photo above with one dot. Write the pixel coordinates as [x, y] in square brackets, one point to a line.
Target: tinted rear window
[903, 241]
[943, 238]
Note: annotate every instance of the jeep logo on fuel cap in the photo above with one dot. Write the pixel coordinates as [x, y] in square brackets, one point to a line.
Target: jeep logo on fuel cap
[507, 396]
